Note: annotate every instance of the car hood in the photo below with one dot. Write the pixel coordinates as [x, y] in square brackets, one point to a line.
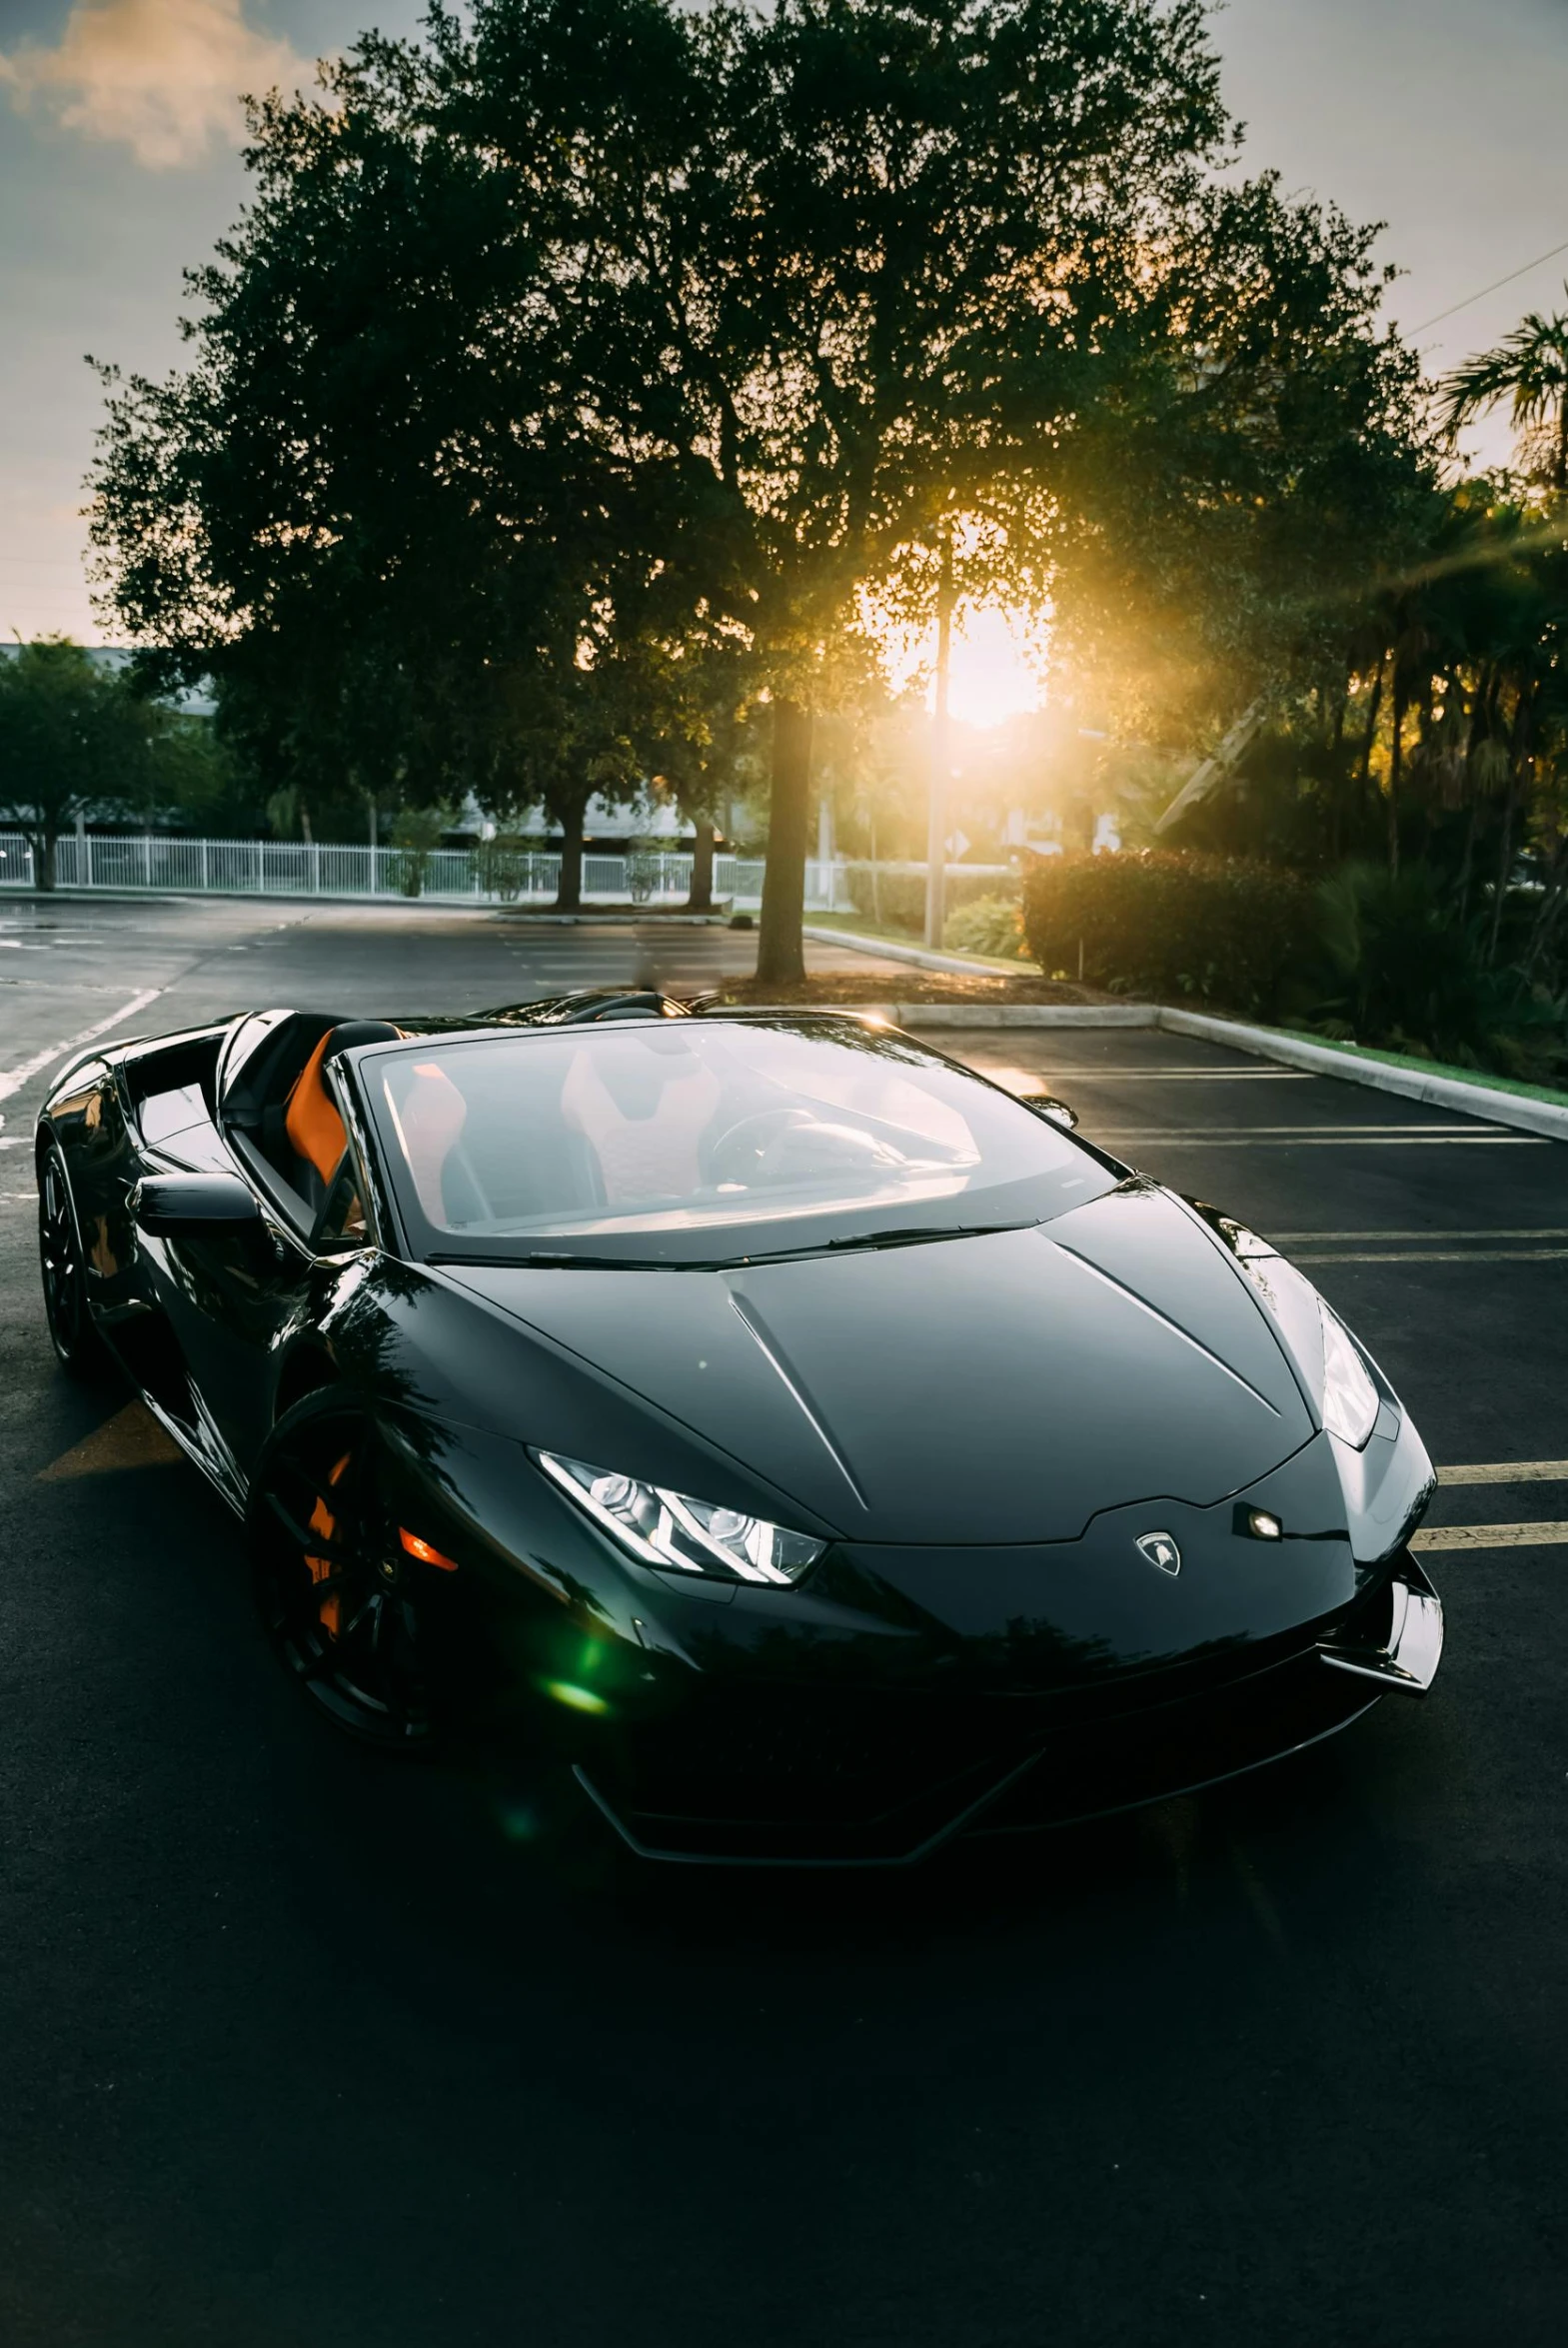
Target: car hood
[999, 1389]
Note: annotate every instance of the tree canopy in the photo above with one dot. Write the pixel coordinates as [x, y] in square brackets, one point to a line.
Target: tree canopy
[584, 372]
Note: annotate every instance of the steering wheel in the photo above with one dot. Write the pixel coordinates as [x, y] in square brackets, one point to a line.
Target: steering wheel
[737, 1154]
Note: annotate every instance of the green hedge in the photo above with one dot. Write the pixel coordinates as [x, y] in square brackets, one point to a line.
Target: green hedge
[1162, 924]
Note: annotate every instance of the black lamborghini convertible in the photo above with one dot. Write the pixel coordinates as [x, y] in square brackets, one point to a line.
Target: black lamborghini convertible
[827, 1450]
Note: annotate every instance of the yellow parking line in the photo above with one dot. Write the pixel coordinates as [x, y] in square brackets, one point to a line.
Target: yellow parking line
[1352, 1139]
[1467, 1132]
[1333, 1239]
[1508, 1471]
[1440, 1256]
[1490, 1536]
[131, 1438]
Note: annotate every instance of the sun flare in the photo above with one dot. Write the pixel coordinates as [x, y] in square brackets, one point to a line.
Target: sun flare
[993, 677]
[995, 673]
[998, 667]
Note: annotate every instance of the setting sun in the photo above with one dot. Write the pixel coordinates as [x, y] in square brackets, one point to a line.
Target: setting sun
[995, 668]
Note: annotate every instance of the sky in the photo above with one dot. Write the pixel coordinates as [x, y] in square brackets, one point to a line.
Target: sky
[118, 169]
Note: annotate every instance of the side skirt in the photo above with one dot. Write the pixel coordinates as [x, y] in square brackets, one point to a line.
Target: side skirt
[213, 1457]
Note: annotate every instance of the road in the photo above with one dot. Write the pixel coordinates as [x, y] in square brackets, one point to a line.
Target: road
[299, 2051]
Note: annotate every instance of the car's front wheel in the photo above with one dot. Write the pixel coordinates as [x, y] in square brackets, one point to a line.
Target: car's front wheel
[342, 1597]
[64, 1272]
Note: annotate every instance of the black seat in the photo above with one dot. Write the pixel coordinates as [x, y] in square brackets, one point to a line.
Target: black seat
[272, 1098]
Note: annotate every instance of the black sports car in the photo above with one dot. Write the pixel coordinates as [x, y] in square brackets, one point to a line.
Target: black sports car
[835, 1450]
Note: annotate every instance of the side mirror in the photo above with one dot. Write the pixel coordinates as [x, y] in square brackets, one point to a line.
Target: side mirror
[1054, 1111]
[195, 1207]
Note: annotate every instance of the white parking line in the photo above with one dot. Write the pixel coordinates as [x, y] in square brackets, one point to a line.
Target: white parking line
[72, 986]
[13, 1079]
[1490, 1536]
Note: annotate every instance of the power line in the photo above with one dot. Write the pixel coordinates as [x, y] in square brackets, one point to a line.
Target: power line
[1455, 307]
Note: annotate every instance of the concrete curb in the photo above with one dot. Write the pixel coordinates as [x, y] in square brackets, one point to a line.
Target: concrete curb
[1026, 1015]
[966, 965]
[1516, 1110]
[1323, 1060]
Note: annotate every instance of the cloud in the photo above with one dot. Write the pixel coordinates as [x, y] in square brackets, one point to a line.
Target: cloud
[164, 76]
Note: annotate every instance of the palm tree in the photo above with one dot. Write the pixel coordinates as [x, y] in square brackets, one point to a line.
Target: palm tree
[1529, 368]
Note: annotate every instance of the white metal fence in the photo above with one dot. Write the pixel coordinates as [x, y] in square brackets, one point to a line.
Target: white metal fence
[483, 875]
[448, 876]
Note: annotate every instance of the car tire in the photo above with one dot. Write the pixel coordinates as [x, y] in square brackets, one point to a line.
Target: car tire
[62, 1267]
[345, 1606]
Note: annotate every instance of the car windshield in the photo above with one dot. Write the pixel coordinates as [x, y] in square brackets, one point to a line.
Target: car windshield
[702, 1140]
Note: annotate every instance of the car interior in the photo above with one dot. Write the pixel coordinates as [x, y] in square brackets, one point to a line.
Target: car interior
[274, 1104]
[627, 1125]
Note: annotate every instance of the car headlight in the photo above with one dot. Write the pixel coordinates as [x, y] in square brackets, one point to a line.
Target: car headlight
[1315, 1335]
[671, 1529]
[1350, 1402]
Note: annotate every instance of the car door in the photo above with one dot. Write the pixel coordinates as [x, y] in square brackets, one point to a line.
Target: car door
[243, 1296]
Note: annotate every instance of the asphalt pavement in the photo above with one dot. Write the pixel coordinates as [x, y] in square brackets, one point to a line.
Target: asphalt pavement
[300, 2049]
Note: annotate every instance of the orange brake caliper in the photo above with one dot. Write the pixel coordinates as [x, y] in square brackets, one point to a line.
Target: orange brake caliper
[324, 1522]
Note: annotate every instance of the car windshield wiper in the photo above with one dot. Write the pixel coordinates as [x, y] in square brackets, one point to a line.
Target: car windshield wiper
[557, 1260]
[916, 1236]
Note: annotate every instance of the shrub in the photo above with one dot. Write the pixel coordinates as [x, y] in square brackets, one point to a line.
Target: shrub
[1164, 923]
[417, 831]
[900, 893]
[1396, 967]
[987, 924]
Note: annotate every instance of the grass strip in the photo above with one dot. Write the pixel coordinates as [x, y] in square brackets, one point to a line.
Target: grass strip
[862, 925]
[1428, 1068]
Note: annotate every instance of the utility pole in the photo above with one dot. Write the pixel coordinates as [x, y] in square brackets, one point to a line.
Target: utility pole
[937, 817]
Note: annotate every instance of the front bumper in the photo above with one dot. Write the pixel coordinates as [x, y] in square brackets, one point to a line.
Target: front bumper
[866, 1779]
[1413, 1648]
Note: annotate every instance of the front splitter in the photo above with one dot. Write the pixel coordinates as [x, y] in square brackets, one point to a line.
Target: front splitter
[1082, 1770]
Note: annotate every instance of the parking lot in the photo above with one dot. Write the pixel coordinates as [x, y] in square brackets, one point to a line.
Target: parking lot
[297, 2047]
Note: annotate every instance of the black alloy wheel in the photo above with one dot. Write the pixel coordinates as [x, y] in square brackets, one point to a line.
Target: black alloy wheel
[343, 1601]
[64, 1272]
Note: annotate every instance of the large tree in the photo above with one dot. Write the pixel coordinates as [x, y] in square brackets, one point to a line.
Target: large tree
[580, 332]
[846, 264]
[368, 508]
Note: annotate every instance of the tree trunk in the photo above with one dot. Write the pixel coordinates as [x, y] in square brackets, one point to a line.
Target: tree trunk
[1523, 736]
[1467, 867]
[781, 957]
[940, 756]
[1505, 858]
[1479, 704]
[1394, 764]
[42, 844]
[1336, 778]
[568, 812]
[701, 898]
[1364, 769]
